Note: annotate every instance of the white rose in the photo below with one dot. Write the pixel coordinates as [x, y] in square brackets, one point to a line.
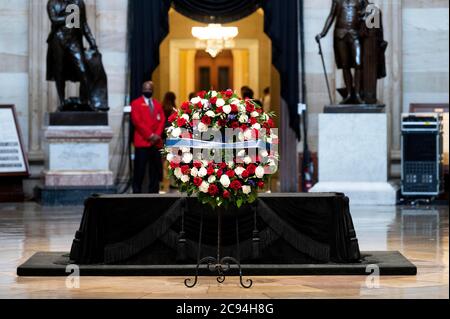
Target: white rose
[246, 190]
[212, 179]
[214, 94]
[185, 178]
[243, 119]
[247, 160]
[187, 158]
[185, 150]
[196, 100]
[206, 104]
[241, 153]
[234, 101]
[239, 171]
[227, 109]
[176, 132]
[257, 126]
[170, 157]
[260, 172]
[202, 172]
[204, 188]
[241, 137]
[230, 164]
[203, 128]
[194, 172]
[210, 114]
[186, 117]
[242, 108]
[196, 116]
[264, 153]
[248, 135]
[255, 114]
[225, 181]
[220, 102]
[178, 173]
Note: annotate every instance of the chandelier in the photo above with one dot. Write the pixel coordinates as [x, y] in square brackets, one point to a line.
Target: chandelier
[215, 38]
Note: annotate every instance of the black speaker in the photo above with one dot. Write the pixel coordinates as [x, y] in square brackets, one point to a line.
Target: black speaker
[422, 155]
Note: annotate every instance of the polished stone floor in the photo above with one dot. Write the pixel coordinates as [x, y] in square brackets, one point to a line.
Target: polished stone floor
[421, 234]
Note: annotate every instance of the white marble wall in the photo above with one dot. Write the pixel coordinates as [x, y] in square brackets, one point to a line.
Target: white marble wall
[14, 58]
[425, 52]
[111, 32]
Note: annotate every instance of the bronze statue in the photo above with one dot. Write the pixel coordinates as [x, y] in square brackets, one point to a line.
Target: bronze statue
[357, 47]
[67, 59]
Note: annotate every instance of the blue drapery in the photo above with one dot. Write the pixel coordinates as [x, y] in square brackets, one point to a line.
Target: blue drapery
[149, 25]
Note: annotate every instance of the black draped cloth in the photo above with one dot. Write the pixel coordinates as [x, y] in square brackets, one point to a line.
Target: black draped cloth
[216, 11]
[165, 230]
[149, 25]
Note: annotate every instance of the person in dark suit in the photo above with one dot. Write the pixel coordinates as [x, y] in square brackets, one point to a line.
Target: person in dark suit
[147, 116]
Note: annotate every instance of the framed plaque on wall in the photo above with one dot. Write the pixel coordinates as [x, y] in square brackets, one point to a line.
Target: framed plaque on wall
[13, 159]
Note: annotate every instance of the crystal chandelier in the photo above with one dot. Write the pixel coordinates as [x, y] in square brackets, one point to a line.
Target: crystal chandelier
[215, 38]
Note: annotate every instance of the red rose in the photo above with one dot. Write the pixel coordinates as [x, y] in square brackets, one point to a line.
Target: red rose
[244, 127]
[236, 185]
[199, 105]
[213, 100]
[197, 164]
[206, 120]
[235, 125]
[251, 169]
[186, 108]
[219, 173]
[198, 181]
[245, 174]
[231, 174]
[261, 185]
[223, 165]
[201, 94]
[222, 123]
[219, 110]
[229, 93]
[174, 165]
[253, 121]
[234, 108]
[185, 169]
[213, 190]
[250, 107]
[210, 171]
[181, 122]
[173, 117]
[226, 194]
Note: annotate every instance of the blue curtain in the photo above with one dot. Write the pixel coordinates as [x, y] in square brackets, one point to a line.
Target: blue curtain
[149, 25]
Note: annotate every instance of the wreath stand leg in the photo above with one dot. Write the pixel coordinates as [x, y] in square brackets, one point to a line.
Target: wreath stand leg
[220, 265]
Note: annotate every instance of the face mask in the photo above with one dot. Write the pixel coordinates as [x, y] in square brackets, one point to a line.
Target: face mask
[148, 95]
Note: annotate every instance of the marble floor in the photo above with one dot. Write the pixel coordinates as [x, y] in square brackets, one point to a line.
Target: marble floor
[421, 234]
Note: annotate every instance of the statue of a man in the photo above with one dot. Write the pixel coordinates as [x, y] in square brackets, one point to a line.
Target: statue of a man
[349, 17]
[67, 59]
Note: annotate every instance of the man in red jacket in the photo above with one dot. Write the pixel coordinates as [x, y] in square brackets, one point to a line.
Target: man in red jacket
[149, 121]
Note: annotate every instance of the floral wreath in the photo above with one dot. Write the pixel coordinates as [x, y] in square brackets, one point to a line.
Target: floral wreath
[231, 169]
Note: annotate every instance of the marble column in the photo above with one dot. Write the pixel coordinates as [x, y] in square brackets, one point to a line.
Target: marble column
[40, 96]
[391, 88]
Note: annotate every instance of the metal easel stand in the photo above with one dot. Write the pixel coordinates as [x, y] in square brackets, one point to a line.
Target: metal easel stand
[219, 264]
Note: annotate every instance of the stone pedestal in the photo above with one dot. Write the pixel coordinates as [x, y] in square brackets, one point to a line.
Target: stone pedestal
[77, 164]
[354, 158]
